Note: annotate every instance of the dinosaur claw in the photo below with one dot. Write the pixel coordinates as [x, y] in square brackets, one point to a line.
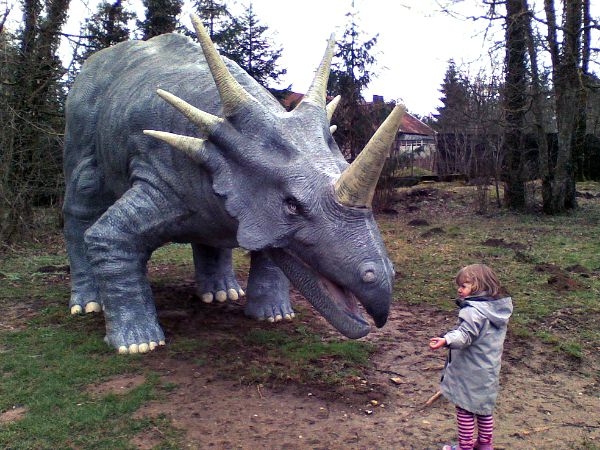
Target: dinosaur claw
[133, 348]
[221, 296]
[287, 317]
[270, 319]
[242, 293]
[278, 318]
[122, 350]
[76, 309]
[144, 348]
[152, 345]
[207, 297]
[232, 294]
[161, 342]
[93, 307]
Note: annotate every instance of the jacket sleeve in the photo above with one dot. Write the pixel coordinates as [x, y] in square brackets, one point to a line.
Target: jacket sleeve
[471, 323]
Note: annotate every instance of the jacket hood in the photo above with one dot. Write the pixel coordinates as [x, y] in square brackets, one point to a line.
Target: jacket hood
[498, 311]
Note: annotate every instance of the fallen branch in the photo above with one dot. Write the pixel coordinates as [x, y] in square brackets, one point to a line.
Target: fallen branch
[433, 398]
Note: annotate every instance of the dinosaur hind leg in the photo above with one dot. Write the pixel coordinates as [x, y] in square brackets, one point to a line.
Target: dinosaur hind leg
[214, 274]
[268, 291]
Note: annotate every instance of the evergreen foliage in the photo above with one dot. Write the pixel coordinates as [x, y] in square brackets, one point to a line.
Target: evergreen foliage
[161, 17]
[216, 17]
[109, 25]
[350, 75]
[246, 42]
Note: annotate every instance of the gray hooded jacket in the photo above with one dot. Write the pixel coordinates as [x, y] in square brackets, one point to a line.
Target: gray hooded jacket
[472, 371]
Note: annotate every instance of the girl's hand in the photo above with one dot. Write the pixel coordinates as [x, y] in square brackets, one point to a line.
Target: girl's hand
[436, 342]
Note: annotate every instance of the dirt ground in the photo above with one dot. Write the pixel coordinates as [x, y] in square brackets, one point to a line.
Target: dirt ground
[545, 402]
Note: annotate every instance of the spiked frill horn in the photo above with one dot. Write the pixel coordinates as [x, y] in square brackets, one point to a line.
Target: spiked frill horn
[191, 146]
[356, 185]
[231, 92]
[203, 120]
[318, 90]
[331, 106]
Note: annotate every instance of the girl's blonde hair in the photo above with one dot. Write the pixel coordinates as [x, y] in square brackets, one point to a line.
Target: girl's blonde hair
[482, 278]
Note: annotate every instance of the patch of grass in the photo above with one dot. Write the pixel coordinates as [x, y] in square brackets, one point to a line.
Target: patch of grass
[173, 254]
[587, 445]
[182, 345]
[571, 348]
[427, 265]
[51, 358]
[47, 369]
[307, 356]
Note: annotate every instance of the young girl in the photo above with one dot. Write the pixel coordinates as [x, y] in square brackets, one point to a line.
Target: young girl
[471, 375]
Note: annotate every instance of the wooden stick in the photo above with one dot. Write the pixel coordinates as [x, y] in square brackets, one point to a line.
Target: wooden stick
[433, 398]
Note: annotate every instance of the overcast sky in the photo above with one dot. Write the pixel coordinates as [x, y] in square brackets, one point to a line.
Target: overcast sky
[415, 41]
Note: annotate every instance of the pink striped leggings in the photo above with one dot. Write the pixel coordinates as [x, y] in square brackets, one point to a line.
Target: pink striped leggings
[466, 427]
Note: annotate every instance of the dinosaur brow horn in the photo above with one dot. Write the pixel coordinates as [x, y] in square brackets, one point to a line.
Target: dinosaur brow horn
[231, 92]
[356, 186]
[318, 90]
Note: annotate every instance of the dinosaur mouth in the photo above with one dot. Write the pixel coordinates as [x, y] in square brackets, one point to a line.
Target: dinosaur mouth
[337, 304]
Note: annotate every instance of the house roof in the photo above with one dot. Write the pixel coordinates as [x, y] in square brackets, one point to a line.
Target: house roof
[412, 125]
[291, 99]
[409, 125]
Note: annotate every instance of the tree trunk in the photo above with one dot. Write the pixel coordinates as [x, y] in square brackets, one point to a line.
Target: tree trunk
[567, 83]
[544, 162]
[515, 96]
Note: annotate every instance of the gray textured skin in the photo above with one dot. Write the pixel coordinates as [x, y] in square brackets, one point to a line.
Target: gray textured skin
[128, 193]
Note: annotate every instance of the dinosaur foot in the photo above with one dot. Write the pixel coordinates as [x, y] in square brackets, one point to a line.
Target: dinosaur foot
[269, 311]
[80, 304]
[219, 290]
[135, 338]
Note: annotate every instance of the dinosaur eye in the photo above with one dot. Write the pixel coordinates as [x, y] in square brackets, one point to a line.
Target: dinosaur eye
[292, 206]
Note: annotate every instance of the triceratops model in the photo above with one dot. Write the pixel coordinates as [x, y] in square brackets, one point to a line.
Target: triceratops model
[232, 168]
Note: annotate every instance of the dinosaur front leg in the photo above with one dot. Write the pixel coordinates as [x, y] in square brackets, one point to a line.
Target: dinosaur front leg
[85, 201]
[214, 274]
[268, 291]
[119, 245]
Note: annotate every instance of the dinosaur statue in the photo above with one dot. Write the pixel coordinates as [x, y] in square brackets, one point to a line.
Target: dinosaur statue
[229, 168]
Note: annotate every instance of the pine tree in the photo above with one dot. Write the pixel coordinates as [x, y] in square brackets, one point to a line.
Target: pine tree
[245, 41]
[161, 17]
[109, 25]
[216, 18]
[451, 116]
[350, 74]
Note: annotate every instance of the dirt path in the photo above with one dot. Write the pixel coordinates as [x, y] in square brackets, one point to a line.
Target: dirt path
[544, 403]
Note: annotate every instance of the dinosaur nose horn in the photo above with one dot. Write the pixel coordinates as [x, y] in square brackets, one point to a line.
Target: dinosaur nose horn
[231, 92]
[356, 186]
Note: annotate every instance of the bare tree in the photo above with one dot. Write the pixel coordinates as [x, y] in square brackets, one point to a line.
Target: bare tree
[32, 108]
[515, 102]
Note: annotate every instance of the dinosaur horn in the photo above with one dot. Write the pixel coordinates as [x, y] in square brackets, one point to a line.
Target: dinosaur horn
[205, 121]
[331, 106]
[318, 89]
[356, 185]
[231, 92]
[191, 146]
